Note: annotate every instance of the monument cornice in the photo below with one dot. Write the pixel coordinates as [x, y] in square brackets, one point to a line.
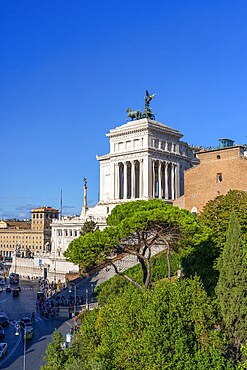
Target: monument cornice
[111, 156]
[159, 152]
[142, 125]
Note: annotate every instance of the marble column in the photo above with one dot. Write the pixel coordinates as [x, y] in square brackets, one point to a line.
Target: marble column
[153, 183]
[160, 179]
[116, 178]
[173, 180]
[125, 181]
[133, 180]
[141, 178]
[177, 174]
[166, 181]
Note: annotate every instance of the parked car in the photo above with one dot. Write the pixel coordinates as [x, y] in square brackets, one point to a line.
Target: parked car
[24, 322]
[14, 278]
[4, 321]
[15, 292]
[3, 349]
[29, 331]
[1, 289]
[1, 331]
[27, 320]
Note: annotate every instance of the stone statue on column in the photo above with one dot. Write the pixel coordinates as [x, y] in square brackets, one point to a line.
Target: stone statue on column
[85, 207]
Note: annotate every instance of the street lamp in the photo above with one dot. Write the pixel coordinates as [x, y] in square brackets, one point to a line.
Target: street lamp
[17, 326]
[86, 299]
[75, 295]
[92, 288]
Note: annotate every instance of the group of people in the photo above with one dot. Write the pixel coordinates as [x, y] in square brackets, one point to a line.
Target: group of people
[48, 303]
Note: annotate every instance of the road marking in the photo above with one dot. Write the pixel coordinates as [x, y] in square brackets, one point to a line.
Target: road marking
[12, 351]
[38, 318]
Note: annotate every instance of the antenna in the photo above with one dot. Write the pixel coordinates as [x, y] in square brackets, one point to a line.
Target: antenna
[61, 204]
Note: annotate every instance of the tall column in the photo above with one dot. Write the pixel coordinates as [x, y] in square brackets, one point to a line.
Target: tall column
[173, 180]
[133, 180]
[153, 183]
[160, 180]
[125, 180]
[141, 178]
[177, 180]
[166, 181]
[116, 176]
[102, 185]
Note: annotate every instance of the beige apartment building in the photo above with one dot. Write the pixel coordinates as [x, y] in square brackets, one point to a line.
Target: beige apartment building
[27, 238]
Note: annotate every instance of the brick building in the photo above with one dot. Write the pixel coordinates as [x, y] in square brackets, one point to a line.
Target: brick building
[27, 236]
[219, 171]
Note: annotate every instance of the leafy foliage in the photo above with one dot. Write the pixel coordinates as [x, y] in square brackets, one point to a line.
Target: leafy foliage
[200, 261]
[232, 286]
[55, 354]
[216, 215]
[172, 325]
[135, 228]
[169, 328]
[115, 286]
[88, 227]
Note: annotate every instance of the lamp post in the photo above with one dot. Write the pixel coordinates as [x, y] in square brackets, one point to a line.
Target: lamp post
[75, 294]
[92, 288]
[86, 299]
[17, 326]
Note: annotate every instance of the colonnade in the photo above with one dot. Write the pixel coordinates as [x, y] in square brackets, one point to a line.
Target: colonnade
[129, 179]
[163, 179]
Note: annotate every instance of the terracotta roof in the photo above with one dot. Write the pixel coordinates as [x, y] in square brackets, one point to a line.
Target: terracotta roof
[44, 209]
[18, 224]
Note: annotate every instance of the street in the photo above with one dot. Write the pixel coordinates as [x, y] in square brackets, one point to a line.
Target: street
[16, 308]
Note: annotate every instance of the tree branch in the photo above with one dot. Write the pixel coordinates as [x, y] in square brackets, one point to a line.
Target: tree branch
[125, 276]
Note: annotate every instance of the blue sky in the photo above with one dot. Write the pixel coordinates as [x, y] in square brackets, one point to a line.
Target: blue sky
[69, 69]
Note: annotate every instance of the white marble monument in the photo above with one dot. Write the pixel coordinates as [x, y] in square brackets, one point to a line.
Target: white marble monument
[147, 160]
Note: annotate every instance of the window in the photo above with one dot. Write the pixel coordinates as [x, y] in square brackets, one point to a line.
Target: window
[218, 157]
[128, 145]
[219, 177]
[155, 143]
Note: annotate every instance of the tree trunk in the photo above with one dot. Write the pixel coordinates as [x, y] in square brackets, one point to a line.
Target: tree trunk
[168, 254]
[148, 277]
[126, 276]
[144, 269]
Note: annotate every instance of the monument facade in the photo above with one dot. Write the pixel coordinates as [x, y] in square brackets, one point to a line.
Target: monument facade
[146, 160]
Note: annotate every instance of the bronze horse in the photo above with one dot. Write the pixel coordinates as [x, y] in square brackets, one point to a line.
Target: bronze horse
[134, 114]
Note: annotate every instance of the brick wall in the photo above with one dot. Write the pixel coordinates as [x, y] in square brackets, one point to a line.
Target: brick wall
[219, 171]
